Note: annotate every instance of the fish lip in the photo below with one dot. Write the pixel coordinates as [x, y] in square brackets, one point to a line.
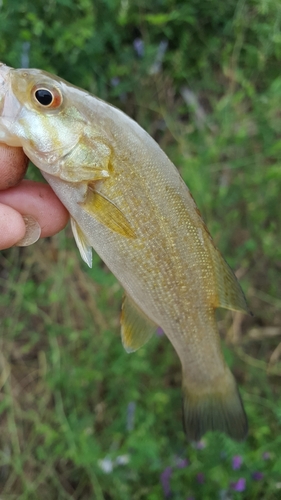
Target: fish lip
[4, 78]
[4, 71]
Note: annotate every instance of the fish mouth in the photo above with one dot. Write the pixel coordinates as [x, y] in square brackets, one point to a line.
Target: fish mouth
[6, 106]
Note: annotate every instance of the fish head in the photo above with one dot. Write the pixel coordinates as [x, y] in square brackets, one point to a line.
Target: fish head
[38, 113]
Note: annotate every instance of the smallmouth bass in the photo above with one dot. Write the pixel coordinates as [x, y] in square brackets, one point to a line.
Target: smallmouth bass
[127, 201]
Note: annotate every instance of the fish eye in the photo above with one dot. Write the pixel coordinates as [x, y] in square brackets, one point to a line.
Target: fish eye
[47, 97]
[44, 97]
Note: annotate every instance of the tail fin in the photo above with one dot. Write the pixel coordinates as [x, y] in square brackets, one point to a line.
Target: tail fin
[217, 408]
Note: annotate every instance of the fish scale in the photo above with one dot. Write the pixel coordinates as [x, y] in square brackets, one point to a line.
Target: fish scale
[128, 202]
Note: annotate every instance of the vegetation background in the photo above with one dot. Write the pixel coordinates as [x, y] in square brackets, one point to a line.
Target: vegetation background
[80, 419]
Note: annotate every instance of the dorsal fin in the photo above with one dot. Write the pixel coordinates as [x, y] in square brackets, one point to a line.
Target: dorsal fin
[136, 328]
[230, 294]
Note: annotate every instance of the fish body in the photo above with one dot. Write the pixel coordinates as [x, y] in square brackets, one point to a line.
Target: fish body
[127, 201]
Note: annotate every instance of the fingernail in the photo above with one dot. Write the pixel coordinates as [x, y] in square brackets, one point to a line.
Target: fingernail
[32, 233]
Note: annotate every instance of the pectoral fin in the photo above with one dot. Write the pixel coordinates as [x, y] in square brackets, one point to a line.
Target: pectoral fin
[136, 328]
[107, 213]
[84, 247]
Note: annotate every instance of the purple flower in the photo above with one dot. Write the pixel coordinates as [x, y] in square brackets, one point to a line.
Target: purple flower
[200, 478]
[139, 47]
[257, 476]
[115, 81]
[157, 65]
[181, 463]
[159, 332]
[199, 445]
[239, 485]
[131, 410]
[237, 461]
[266, 455]
[165, 481]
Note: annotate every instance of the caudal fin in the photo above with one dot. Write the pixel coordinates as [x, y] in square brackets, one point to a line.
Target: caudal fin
[217, 408]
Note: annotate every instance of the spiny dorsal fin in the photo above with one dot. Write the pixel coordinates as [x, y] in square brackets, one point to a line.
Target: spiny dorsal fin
[230, 294]
[84, 247]
[107, 213]
[136, 328]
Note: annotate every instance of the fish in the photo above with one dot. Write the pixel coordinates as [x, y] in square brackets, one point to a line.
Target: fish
[128, 202]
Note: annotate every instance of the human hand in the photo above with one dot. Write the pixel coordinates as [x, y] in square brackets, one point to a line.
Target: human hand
[44, 214]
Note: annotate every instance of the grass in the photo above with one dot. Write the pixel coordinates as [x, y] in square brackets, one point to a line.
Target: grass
[74, 405]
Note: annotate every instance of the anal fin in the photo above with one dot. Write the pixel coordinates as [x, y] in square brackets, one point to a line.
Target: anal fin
[84, 247]
[107, 213]
[136, 328]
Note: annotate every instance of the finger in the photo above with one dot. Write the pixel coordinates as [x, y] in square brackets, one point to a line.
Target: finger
[13, 165]
[12, 227]
[39, 201]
